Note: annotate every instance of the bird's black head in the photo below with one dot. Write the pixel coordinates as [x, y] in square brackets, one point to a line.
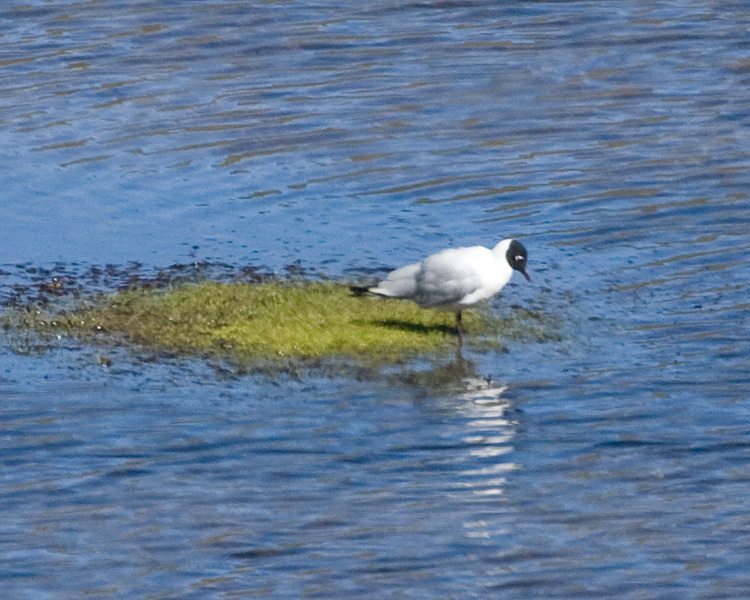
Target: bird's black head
[516, 256]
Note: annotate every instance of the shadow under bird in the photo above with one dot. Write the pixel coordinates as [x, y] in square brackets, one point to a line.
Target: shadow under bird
[456, 278]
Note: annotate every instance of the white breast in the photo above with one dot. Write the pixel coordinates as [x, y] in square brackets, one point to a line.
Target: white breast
[458, 278]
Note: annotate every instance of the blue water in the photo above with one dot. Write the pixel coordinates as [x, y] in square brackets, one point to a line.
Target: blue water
[613, 139]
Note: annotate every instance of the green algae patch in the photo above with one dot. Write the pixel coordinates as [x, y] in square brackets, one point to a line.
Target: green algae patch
[279, 320]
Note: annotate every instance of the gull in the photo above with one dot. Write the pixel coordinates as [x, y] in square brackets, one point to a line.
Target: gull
[456, 278]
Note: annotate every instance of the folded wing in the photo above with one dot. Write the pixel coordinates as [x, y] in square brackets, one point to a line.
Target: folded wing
[401, 283]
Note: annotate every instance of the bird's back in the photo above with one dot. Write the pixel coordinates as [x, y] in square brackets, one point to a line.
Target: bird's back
[459, 277]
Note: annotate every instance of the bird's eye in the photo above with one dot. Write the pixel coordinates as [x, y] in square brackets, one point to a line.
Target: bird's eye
[520, 258]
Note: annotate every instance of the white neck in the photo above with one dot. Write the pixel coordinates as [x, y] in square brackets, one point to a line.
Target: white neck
[501, 250]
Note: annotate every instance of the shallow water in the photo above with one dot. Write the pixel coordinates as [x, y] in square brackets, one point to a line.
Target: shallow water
[613, 139]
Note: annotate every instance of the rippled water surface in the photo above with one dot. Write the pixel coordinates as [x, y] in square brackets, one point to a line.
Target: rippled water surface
[613, 138]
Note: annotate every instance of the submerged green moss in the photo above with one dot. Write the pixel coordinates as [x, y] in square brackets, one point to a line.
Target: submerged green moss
[297, 320]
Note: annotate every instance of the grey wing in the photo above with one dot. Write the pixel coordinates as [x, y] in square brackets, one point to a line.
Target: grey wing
[447, 292]
[401, 283]
[445, 280]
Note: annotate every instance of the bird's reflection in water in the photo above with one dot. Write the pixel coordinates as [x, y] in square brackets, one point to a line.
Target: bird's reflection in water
[479, 400]
[489, 432]
[492, 429]
[455, 377]
[484, 460]
[458, 377]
